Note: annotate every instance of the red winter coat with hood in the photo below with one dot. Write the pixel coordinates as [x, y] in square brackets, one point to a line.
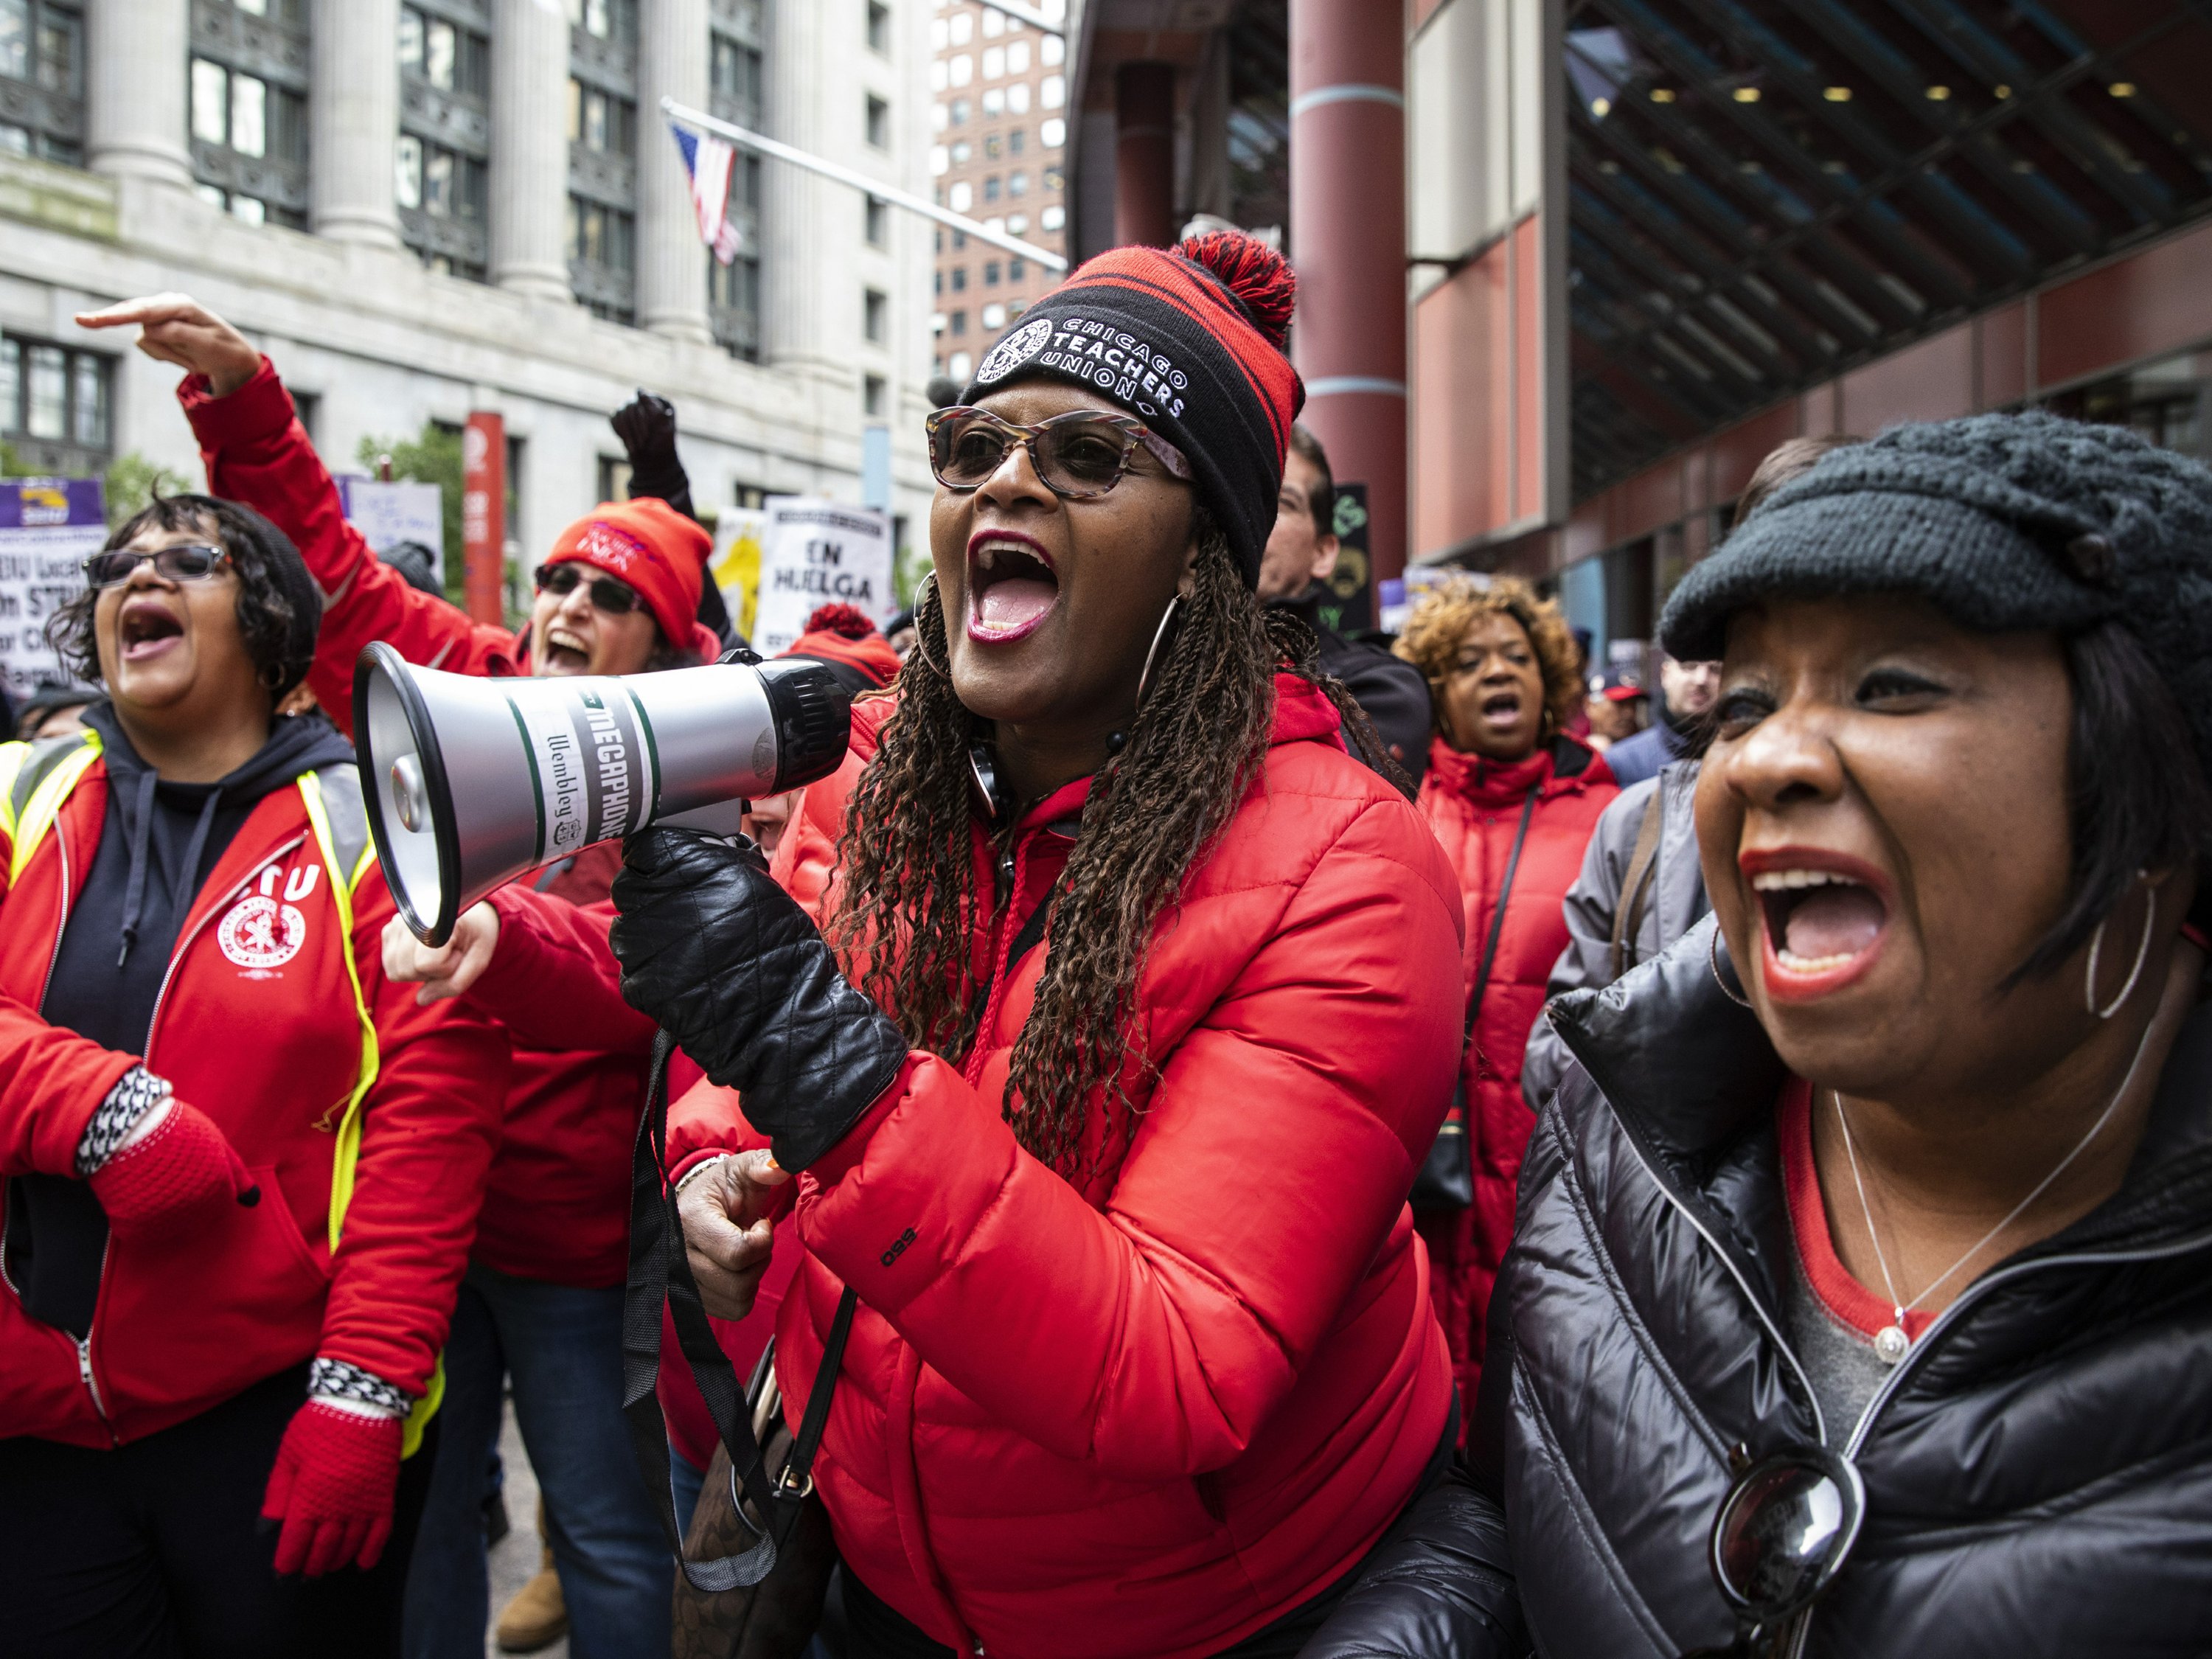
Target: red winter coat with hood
[1153, 1413]
[1474, 808]
[178, 1329]
[556, 1204]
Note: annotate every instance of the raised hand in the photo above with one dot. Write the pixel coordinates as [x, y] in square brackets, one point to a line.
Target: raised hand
[175, 328]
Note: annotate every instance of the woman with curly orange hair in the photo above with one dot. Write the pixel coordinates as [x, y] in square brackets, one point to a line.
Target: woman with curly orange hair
[1513, 798]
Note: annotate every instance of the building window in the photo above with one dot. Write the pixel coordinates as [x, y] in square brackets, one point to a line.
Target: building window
[875, 315]
[1017, 58]
[54, 407]
[959, 322]
[879, 28]
[1018, 140]
[605, 20]
[1053, 217]
[1017, 183]
[1053, 179]
[878, 222]
[994, 316]
[603, 156]
[1017, 267]
[42, 80]
[960, 112]
[734, 79]
[879, 123]
[959, 279]
[1052, 91]
[444, 151]
[960, 365]
[963, 28]
[248, 80]
[961, 70]
[733, 306]
[990, 188]
[1051, 49]
[1017, 98]
[1053, 133]
[990, 273]
[872, 396]
[960, 197]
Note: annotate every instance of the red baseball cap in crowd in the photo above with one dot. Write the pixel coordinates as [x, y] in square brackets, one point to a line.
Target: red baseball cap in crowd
[657, 551]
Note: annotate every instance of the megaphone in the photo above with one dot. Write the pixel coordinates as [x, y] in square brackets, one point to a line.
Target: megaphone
[469, 781]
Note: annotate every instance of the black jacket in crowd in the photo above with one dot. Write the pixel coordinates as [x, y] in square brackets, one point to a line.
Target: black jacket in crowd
[2037, 1469]
[1390, 692]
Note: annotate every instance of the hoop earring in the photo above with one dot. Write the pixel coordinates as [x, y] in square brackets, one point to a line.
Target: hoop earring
[1145, 680]
[2135, 973]
[1713, 961]
[920, 639]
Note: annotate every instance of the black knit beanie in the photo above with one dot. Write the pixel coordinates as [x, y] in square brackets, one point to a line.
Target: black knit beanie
[1189, 340]
[2006, 522]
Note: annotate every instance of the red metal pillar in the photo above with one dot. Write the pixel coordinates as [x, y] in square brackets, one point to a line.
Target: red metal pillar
[484, 516]
[1348, 242]
[1144, 155]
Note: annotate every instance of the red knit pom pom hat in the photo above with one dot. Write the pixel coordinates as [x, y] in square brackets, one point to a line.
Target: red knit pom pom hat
[655, 549]
[1189, 340]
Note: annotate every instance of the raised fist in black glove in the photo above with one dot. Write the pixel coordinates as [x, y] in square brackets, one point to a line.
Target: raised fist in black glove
[732, 968]
[647, 426]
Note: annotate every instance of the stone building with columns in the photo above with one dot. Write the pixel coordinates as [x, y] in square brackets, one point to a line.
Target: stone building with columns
[424, 208]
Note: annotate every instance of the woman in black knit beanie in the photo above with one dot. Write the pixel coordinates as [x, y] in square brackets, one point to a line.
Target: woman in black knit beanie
[1862, 1299]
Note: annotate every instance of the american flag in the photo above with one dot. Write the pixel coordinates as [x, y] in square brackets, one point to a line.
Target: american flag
[706, 163]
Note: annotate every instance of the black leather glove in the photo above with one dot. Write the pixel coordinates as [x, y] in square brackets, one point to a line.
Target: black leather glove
[732, 968]
[647, 426]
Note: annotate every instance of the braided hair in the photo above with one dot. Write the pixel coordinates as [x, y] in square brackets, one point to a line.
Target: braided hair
[909, 902]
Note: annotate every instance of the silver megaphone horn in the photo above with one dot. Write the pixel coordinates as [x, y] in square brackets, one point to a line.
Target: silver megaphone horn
[469, 781]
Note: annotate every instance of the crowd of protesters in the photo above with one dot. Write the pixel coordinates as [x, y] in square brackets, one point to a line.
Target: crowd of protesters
[1208, 1136]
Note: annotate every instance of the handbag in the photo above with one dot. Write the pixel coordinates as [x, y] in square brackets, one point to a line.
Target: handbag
[758, 1592]
[1445, 1180]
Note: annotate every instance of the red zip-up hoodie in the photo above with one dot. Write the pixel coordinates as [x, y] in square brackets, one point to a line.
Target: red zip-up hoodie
[259, 1026]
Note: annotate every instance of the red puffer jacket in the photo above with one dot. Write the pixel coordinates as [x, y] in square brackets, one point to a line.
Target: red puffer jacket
[178, 1329]
[1151, 1414]
[557, 1205]
[1474, 806]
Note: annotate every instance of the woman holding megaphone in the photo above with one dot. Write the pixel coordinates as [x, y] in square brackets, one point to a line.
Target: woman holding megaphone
[619, 594]
[1135, 1010]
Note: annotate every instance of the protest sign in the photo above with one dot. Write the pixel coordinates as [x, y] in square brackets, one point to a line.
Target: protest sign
[815, 553]
[737, 565]
[48, 528]
[389, 514]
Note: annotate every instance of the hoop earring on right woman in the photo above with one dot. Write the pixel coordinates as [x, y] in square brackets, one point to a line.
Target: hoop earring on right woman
[2135, 973]
[921, 640]
[1713, 961]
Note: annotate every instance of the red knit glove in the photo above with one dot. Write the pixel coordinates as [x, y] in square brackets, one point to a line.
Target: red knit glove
[175, 1181]
[332, 1487]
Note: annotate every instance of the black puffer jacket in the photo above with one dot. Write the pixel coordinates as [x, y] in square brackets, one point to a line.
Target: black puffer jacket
[2038, 1470]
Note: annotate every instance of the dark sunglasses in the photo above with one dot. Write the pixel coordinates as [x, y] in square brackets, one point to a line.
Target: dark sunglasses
[616, 598]
[1080, 455]
[1785, 1530]
[187, 563]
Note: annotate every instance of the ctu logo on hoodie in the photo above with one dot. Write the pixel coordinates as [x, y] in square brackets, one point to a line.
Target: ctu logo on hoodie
[261, 934]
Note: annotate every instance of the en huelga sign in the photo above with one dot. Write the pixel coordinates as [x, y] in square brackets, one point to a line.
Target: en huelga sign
[48, 528]
[815, 553]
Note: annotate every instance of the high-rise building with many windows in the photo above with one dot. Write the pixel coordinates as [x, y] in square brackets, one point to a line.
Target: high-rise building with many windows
[998, 141]
[423, 207]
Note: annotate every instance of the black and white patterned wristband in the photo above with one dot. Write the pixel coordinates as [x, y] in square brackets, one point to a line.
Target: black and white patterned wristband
[340, 1381]
[136, 1093]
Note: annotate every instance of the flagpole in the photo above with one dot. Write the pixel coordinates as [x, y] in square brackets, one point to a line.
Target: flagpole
[753, 141]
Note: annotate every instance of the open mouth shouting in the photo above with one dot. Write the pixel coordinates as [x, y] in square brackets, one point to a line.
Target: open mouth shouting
[566, 652]
[1012, 586]
[146, 629]
[1822, 916]
[1500, 711]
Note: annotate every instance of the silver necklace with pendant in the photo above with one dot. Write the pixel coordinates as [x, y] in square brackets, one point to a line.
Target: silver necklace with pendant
[1892, 1344]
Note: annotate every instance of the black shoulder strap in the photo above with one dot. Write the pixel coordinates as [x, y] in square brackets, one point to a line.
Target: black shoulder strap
[1642, 862]
[660, 1273]
[1497, 914]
